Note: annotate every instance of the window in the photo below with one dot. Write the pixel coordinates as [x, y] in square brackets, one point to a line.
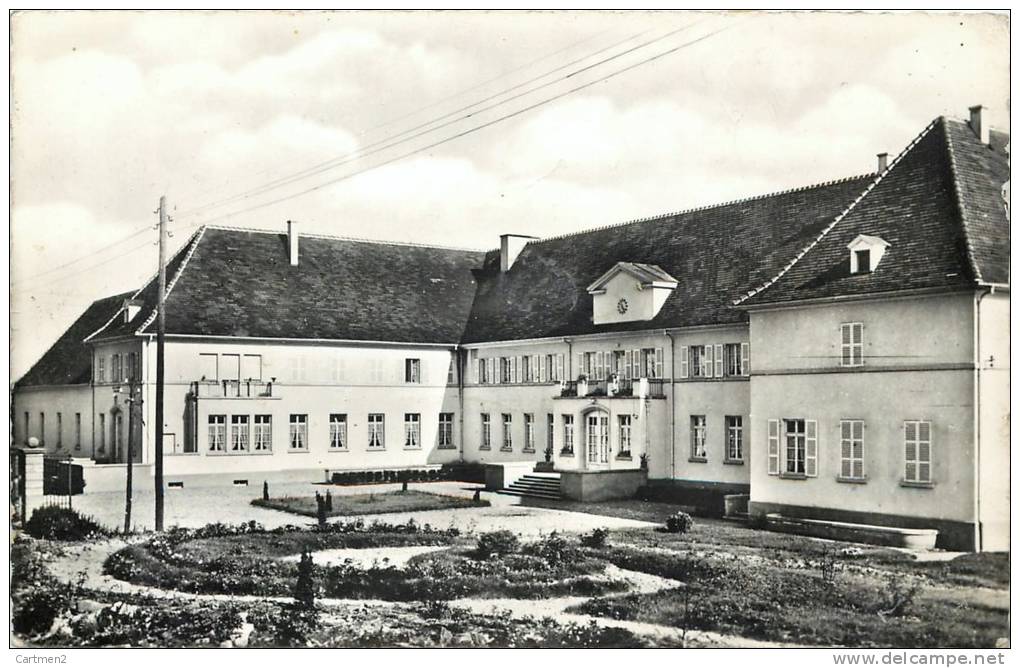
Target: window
[508, 442]
[412, 430]
[208, 366]
[851, 449]
[483, 372]
[263, 433]
[526, 369]
[132, 367]
[917, 451]
[446, 430]
[239, 433]
[115, 369]
[251, 367]
[299, 368]
[505, 370]
[101, 369]
[529, 432]
[451, 373]
[376, 431]
[568, 434]
[102, 431]
[863, 258]
[733, 360]
[217, 433]
[28, 424]
[590, 366]
[337, 369]
[77, 431]
[701, 362]
[60, 430]
[801, 447]
[230, 367]
[486, 432]
[734, 438]
[412, 370]
[624, 423]
[852, 344]
[550, 435]
[337, 431]
[299, 431]
[699, 433]
[42, 428]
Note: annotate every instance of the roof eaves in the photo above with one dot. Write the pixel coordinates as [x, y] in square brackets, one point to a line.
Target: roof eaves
[871, 186]
[114, 316]
[180, 270]
[958, 192]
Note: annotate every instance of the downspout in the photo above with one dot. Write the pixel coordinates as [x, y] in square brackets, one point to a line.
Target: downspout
[672, 405]
[462, 366]
[977, 416]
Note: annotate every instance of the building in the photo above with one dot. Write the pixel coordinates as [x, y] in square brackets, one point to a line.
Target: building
[836, 351]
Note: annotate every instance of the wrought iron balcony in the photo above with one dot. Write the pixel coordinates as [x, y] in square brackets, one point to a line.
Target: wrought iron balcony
[232, 389]
[620, 387]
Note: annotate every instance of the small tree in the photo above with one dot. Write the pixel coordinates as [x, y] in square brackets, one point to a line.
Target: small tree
[304, 590]
[265, 490]
[320, 509]
[329, 501]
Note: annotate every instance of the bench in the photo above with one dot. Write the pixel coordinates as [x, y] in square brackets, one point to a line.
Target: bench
[914, 539]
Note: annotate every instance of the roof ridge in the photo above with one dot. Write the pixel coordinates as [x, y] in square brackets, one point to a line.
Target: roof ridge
[231, 228]
[958, 193]
[871, 186]
[196, 238]
[705, 207]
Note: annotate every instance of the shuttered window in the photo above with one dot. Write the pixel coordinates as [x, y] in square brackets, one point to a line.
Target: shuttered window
[851, 449]
[917, 451]
[851, 344]
[773, 445]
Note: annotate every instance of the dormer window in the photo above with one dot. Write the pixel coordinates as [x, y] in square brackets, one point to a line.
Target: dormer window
[630, 291]
[865, 253]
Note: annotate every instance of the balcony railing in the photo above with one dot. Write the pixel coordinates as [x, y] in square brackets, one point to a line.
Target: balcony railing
[622, 387]
[232, 389]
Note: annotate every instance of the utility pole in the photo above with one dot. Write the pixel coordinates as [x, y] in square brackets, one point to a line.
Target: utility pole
[160, 334]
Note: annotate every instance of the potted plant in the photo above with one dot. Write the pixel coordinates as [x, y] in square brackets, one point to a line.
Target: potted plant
[582, 385]
[613, 386]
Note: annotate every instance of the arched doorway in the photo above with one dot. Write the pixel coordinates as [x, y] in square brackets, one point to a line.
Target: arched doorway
[596, 438]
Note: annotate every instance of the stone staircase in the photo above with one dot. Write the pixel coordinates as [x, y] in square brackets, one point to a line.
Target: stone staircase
[536, 485]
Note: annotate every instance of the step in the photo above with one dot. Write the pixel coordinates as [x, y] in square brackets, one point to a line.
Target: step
[537, 483]
[538, 495]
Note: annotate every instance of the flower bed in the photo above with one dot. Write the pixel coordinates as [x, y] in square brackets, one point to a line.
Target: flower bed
[370, 504]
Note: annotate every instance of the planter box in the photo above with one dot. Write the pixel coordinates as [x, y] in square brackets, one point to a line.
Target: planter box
[914, 539]
[601, 485]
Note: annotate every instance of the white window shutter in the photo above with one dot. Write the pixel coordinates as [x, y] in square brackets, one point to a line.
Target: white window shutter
[811, 448]
[423, 368]
[598, 365]
[580, 367]
[773, 453]
[745, 359]
[684, 361]
[718, 361]
[658, 363]
[559, 366]
[478, 373]
[627, 365]
[541, 368]
[635, 365]
[493, 378]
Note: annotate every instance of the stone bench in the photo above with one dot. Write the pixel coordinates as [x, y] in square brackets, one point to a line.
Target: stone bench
[914, 539]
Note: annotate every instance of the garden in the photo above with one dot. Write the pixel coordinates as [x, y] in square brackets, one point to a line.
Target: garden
[686, 583]
[397, 501]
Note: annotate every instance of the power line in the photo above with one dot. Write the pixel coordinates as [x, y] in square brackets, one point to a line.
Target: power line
[87, 255]
[470, 130]
[394, 140]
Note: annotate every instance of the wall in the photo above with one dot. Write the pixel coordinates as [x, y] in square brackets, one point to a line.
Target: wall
[993, 391]
[67, 400]
[315, 380]
[642, 304]
[601, 485]
[917, 353]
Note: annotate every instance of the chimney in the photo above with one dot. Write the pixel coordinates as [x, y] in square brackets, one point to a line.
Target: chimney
[979, 124]
[510, 246]
[292, 241]
[883, 162]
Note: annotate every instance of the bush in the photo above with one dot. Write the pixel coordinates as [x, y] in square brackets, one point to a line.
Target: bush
[679, 523]
[554, 549]
[304, 589]
[598, 538]
[55, 523]
[497, 543]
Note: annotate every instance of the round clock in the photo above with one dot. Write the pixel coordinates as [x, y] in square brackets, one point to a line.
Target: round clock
[621, 306]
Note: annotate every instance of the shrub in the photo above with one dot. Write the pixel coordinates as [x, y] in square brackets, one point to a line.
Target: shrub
[55, 523]
[554, 549]
[679, 523]
[329, 501]
[265, 490]
[320, 510]
[304, 590]
[497, 543]
[598, 538]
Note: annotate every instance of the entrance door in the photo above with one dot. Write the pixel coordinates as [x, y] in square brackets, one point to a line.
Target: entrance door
[597, 439]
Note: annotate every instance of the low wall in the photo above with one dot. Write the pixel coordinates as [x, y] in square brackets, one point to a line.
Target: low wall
[703, 497]
[498, 476]
[601, 485]
[953, 535]
[101, 478]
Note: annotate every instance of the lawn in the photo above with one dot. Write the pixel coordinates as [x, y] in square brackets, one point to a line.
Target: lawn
[370, 504]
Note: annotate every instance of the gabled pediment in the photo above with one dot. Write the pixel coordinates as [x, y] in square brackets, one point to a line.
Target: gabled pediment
[866, 252]
[647, 276]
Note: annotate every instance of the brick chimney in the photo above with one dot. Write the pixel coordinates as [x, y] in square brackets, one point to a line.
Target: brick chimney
[510, 246]
[979, 124]
[292, 242]
[883, 162]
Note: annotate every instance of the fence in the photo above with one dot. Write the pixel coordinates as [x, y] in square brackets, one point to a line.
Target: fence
[37, 480]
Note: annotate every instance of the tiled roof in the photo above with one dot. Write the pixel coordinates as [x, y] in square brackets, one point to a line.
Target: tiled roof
[916, 207]
[69, 360]
[240, 283]
[715, 253]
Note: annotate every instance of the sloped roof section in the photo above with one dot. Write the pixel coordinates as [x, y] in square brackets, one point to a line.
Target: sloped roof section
[715, 253]
[240, 283]
[916, 208]
[69, 360]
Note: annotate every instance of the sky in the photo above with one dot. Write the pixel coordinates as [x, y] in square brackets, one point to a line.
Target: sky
[389, 125]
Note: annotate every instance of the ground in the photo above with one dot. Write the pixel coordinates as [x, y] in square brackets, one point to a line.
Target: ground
[721, 585]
